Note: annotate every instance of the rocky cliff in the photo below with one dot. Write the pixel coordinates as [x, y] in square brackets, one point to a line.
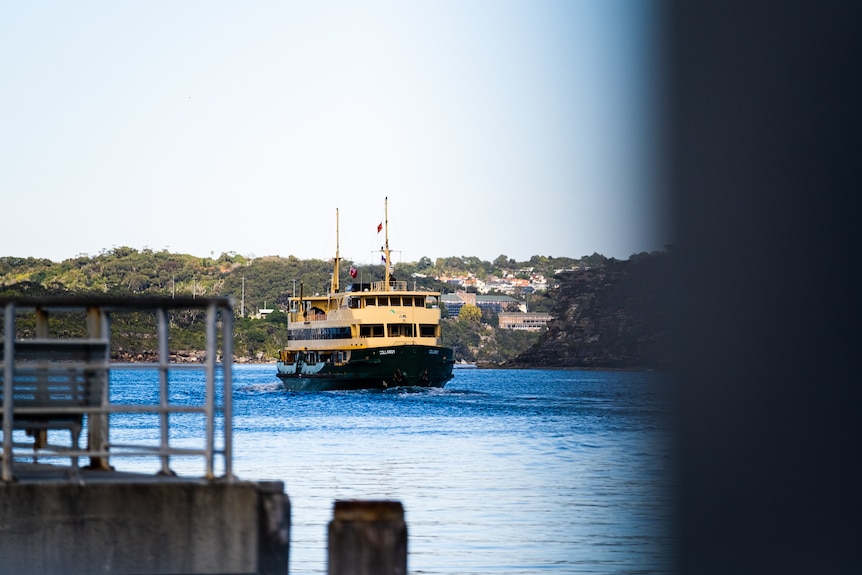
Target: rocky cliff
[615, 316]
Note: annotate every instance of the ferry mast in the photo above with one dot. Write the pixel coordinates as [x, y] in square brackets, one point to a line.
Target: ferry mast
[386, 245]
[335, 270]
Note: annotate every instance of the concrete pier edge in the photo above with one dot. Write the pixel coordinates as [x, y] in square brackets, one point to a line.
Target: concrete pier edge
[143, 525]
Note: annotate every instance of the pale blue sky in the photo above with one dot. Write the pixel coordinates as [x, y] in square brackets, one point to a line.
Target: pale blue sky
[494, 127]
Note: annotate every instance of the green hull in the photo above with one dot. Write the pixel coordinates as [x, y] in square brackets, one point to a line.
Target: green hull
[406, 365]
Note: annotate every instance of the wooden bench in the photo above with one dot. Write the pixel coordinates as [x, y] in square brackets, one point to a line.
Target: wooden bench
[54, 382]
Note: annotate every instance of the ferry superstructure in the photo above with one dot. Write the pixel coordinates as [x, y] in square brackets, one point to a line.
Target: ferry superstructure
[372, 336]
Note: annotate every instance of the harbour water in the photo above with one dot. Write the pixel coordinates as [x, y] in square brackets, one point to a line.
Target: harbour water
[502, 471]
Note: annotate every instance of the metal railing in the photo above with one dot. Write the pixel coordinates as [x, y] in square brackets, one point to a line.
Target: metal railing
[50, 383]
[393, 285]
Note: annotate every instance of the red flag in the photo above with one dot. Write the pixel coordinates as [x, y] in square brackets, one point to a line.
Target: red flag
[379, 228]
[352, 272]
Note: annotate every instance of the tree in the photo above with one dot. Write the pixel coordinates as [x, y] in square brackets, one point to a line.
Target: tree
[470, 313]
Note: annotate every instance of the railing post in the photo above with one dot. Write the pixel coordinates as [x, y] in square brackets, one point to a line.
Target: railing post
[41, 323]
[210, 387]
[8, 397]
[97, 423]
[367, 538]
[227, 393]
[164, 360]
[40, 436]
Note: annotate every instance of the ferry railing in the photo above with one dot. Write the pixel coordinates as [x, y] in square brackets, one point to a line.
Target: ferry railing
[393, 285]
[50, 383]
[298, 317]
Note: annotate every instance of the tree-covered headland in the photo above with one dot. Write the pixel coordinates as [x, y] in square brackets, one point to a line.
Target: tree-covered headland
[267, 283]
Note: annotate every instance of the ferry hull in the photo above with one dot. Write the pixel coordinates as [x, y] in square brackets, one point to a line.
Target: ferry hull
[406, 365]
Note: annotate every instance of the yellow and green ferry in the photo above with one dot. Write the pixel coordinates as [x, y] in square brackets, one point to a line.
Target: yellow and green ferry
[371, 336]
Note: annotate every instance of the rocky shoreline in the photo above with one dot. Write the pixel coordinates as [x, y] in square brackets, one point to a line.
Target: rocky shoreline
[183, 356]
[612, 317]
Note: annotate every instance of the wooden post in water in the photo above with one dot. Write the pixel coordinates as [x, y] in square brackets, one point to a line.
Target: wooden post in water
[368, 538]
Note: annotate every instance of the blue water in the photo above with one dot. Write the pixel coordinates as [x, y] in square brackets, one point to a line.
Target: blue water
[515, 472]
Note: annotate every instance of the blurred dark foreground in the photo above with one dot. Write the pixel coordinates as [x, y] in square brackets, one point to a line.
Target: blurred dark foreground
[763, 163]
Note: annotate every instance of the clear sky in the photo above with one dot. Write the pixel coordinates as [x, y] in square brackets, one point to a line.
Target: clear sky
[493, 126]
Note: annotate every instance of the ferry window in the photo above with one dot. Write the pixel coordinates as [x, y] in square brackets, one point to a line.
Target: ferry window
[427, 330]
[400, 329]
[370, 301]
[371, 330]
[395, 301]
[419, 301]
[383, 301]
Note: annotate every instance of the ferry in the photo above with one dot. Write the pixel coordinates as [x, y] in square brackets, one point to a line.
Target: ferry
[375, 335]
